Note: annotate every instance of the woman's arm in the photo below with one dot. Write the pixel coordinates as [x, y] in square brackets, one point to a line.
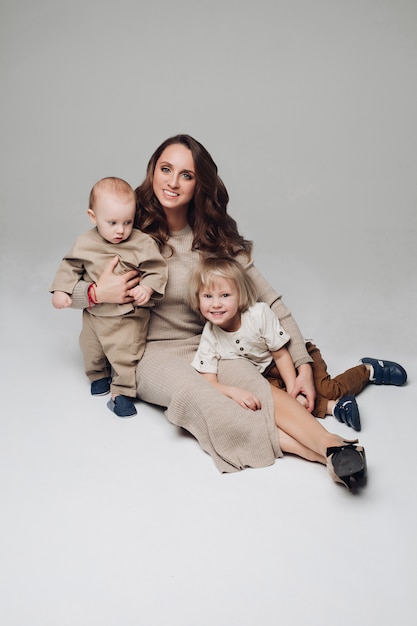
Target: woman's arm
[296, 346]
[304, 383]
[110, 287]
[296, 385]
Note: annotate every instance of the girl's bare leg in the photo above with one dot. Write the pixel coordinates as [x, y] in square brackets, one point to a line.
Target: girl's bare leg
[300, 433]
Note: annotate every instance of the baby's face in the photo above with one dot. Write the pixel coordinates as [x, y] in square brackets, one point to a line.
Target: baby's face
[113, 215]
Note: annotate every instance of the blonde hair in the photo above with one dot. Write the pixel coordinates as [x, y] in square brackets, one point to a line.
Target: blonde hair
[111, 184]
[205, 273]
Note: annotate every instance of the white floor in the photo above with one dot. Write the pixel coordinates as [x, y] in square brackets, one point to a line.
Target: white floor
[108, 521]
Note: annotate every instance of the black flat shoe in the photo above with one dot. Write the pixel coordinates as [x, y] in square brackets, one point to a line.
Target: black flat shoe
[347, 465]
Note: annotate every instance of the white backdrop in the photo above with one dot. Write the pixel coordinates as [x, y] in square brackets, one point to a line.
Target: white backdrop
[308, 108]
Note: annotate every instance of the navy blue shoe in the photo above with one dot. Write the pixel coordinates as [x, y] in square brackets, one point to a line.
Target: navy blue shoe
[100, 387]
[386, 372]
[347, 412]
[122, 406]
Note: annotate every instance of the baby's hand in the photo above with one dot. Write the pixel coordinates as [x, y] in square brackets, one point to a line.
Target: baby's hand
[61, 300]
[141, 294]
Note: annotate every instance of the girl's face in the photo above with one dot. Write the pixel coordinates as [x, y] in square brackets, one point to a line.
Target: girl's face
[174, 178]
[219, 303]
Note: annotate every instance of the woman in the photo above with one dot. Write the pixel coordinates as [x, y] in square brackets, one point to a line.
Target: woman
[182, 203]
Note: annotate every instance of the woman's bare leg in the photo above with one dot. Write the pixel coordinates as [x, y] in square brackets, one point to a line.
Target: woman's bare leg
[300, 432]
[291, 446]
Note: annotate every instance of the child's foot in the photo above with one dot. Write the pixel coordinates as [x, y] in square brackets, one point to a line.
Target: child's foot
[346, 411]
[100, 387]
[122, 406]
[385, 372]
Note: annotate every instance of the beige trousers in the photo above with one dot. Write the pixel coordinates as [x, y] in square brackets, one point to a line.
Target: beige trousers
[113, 346]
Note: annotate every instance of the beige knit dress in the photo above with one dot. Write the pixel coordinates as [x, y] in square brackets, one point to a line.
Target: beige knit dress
[235, 438]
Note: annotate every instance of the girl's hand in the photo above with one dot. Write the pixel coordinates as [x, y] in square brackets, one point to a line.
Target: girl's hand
[113, 287]
[244, 398]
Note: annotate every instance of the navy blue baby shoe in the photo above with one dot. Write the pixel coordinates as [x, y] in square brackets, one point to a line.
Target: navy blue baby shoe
[346, 411]
[122, 406]
[386, 372]
[100, 387]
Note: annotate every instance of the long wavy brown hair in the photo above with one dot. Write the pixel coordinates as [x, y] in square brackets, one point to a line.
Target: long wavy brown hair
[215, 231]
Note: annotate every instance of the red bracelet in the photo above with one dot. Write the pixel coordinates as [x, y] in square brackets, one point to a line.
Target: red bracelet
[91, 295]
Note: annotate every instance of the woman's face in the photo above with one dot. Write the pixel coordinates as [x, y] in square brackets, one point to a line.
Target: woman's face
[174, 178]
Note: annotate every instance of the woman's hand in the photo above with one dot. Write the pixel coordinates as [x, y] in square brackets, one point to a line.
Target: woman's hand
[113, 287]
[304, 385]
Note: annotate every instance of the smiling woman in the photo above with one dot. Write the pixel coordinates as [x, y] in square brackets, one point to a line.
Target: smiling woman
[182, 204]
[174, 184]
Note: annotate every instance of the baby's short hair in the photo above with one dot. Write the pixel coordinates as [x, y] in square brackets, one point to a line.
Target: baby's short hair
[112, 185]
[205, 273]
